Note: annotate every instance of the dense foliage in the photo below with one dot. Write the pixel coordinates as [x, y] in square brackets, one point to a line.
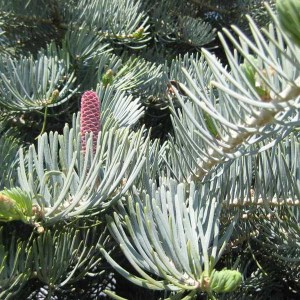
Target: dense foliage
[148, 149]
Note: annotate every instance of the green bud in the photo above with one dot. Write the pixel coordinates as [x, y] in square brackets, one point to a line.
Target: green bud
[249, 67]
[225, 281]
[138, 33]
[108, 77]
[55, 95]
[15, 205]
[289, 18]
[210, 125]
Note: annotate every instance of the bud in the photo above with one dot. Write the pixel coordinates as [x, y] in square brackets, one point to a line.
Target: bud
[225, 281]
[40, 229]
[107, 77]
[89, 118]
[138, 34]
[249, 68]
[54, 96]
[289, 18]
[15, 205]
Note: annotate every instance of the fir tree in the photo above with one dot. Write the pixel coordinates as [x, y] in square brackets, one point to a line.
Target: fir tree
[149, 146]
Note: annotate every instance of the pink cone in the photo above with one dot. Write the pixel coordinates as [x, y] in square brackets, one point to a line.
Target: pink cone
[89, 117]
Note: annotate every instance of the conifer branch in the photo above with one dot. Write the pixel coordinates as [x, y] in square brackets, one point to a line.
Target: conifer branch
[234, 140]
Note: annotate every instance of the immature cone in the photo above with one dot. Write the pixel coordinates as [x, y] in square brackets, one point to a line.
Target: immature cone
[89, 117]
